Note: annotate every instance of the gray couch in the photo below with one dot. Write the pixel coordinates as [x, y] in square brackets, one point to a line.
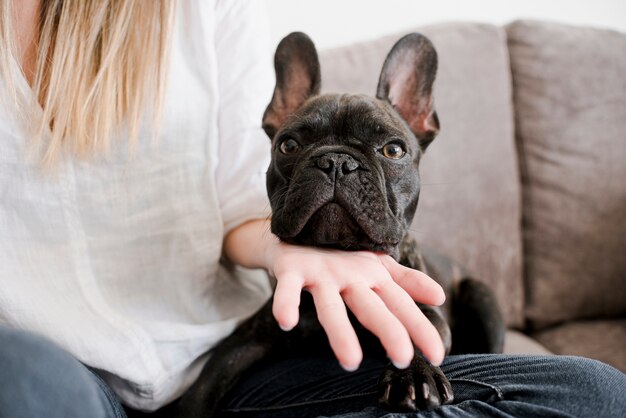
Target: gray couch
[526, 184]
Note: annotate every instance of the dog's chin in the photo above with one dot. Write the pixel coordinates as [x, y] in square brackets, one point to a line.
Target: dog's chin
[332, 226]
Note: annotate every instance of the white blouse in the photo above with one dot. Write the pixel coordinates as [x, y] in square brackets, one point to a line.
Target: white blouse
[118, 259]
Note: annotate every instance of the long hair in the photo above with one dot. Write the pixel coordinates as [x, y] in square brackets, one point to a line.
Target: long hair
[100, 64]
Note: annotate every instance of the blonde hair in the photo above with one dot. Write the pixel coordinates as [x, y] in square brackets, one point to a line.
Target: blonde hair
[99, 65]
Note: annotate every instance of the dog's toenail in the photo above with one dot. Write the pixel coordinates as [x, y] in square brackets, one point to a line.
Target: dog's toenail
[387, 391]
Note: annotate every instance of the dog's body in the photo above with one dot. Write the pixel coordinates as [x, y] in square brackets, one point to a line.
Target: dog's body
[344, 174]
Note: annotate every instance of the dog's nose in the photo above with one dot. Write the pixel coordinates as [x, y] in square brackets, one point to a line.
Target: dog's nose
[336, 165]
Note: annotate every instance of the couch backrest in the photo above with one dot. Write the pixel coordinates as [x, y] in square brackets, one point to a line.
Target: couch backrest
[470, 206]
[570, 101]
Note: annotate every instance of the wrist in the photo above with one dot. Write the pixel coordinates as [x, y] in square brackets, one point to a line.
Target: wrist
[252, 245]
[272, 248]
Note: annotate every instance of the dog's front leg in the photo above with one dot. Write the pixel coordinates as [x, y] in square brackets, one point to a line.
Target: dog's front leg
[421, 386]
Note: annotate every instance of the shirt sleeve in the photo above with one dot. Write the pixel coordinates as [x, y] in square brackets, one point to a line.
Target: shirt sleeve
[245, 84]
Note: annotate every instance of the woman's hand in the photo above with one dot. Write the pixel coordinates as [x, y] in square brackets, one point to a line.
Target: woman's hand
[379, 291]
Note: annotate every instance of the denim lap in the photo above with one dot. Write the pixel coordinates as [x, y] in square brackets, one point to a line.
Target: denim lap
[484, 385]
[39, 379]
[318, 387]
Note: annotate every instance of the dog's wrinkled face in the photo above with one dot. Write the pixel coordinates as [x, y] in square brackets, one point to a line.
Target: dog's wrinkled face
[344, 169]
[344, 174]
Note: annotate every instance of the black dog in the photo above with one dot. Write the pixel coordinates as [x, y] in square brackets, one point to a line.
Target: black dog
[344, 174]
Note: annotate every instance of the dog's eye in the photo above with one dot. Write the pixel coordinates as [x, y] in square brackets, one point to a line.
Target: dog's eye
[289, 146]
[393, 151]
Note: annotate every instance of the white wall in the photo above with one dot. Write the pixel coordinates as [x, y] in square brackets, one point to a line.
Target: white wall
[339, 22]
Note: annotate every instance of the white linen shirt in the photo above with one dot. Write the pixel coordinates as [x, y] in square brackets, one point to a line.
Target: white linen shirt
[117, 259]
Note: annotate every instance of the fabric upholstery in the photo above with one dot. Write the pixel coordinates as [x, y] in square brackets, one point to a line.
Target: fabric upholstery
[516, 342]
[570, 100]
[602, 340]
[470, 205]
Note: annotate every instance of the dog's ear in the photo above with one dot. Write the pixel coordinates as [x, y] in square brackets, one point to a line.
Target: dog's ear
[406, 81]
[297, 78]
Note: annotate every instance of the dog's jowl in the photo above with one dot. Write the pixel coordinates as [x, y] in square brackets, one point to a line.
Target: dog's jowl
[344, 174]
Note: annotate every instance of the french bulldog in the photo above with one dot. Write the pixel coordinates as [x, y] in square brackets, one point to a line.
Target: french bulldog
[344, 174]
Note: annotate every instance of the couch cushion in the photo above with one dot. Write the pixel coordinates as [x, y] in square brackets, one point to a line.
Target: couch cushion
[570, 99]
[516, 342]
[470, 202]
[603, 340]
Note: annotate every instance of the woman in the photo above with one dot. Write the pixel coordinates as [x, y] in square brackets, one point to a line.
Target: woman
[132, 163]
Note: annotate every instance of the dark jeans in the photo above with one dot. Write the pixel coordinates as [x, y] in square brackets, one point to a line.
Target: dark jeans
[39, 379]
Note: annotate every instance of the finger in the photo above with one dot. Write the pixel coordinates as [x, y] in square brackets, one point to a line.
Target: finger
[417, 284]
[287, 301]
[423, 333]
[332, 314]
[372, 312]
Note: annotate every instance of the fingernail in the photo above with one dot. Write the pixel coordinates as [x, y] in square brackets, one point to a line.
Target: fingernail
[349, 368]
[436, 362]
[400, 365]
[284, 328]
[442, 298]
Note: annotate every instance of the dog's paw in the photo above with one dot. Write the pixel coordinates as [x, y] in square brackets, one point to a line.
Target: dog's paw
[421, 386]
